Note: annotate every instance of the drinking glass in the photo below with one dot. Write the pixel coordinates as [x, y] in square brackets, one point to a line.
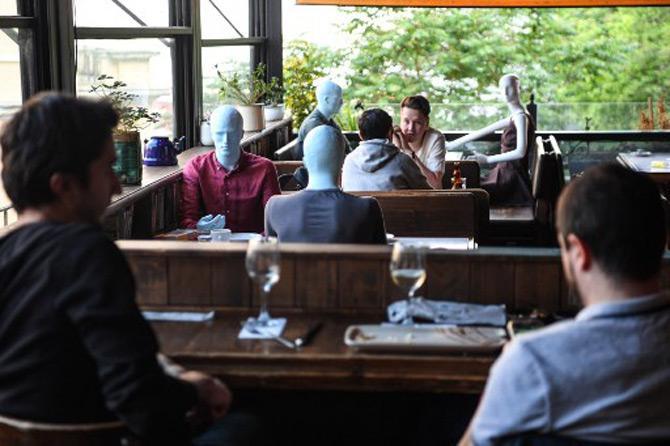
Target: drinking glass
[262, 263]
[408, 271]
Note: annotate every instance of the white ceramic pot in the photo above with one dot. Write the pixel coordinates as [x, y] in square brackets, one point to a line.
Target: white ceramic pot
[206, 134]
[252, 116]
[273, 112]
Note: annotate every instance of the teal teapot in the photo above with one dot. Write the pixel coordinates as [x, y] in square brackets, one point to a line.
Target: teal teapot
[160, 151]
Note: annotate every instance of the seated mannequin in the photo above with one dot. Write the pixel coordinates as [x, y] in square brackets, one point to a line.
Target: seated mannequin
[376, 164]
[508, 183]
[227, 182]
[329, 103]
[422, 143]
[322, 213]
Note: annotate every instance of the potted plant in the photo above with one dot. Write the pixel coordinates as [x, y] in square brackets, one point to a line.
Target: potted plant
[132, 119]
[274, 109]
[246, 92]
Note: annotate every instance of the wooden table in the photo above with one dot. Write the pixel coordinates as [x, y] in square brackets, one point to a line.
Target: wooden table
[325, 364]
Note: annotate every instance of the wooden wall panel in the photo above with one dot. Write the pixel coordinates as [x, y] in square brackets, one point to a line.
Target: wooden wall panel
[492, 283]
[316, 285]
[150, 279]
[362, 283]
[537, 285]
[189, 281]
[448, 279]
[230, 284]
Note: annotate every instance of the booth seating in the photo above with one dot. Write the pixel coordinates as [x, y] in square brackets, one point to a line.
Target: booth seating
[285, 170]
[28, 433]
[427, 213]
[285, 153]
[434, 213]
[469, 170]
[533, 225]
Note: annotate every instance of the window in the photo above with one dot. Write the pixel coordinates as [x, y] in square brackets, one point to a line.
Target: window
[226, 60]
[145, 65]
[10, 73]
[121, 13]
[221, 19]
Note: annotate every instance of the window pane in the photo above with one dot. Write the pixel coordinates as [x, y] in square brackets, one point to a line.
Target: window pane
[8, 7]
[227, 60]
[106, 13]
[215, 26]
[144, 64]
[10, 74]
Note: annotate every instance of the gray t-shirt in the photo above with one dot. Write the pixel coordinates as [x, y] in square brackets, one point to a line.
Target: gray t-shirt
[324, 216]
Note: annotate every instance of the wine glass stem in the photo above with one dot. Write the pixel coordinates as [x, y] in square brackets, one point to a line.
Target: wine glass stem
[264, 315]
[409, 317]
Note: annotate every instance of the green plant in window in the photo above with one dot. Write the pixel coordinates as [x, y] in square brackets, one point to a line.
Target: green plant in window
[275, 92]
[132, 118]
[244, 89]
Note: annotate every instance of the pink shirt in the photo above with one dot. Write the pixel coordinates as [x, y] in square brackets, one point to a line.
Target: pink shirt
[239, 195]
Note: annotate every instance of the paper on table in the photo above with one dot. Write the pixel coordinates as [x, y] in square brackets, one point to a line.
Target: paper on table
[274, 328]
[178, 316]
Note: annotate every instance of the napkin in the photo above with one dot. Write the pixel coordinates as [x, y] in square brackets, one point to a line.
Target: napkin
[178, 316]
[274, 328]
[447, 312]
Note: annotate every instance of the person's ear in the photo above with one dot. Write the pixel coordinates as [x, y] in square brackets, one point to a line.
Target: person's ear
[361, 135]
[578, 253]
[60, 184]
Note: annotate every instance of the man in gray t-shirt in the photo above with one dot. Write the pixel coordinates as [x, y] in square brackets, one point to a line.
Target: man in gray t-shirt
[322, 213]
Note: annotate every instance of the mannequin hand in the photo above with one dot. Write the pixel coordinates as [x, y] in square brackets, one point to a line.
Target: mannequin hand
[481, 159]
[207, 223]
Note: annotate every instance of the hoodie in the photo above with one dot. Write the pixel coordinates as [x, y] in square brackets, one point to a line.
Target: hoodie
[376, 164]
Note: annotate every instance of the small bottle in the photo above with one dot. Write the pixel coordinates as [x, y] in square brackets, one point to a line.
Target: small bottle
[456, 180]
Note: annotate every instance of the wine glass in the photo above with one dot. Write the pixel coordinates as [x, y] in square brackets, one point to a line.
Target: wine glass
[262, 263]
[408, 271]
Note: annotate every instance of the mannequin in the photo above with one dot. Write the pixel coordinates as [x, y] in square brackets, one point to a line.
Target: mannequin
[229, 185]
[508, 182]
[322, 213]
[329, 102]
[323, 158]
[227, 130]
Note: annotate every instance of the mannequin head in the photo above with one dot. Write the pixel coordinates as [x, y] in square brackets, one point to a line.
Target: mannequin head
[414, 118]
[323, 158]
[510, 88]
[226, 123]
[329, 98]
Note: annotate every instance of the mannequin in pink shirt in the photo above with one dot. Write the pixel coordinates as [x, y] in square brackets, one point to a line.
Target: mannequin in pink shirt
[228, 183]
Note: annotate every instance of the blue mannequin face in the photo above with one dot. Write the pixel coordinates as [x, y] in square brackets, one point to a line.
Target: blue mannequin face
[226, 124]
[329, 97]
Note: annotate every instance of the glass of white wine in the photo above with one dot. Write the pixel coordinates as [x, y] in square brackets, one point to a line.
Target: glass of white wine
[408, 271]
[262, 264]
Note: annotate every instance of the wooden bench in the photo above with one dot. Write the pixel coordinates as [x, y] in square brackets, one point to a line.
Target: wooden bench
[428, 213]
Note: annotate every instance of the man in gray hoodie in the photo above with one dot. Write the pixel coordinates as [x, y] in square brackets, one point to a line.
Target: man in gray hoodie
[376, 164]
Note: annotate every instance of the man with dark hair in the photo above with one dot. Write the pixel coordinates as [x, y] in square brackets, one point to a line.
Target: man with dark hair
[415, 137]
[603, 377]
[376, 164]
[74, 347]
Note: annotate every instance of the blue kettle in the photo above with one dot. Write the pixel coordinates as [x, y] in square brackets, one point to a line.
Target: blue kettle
[160, 151]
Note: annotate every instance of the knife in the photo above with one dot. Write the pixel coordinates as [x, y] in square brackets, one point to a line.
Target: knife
[308, 336]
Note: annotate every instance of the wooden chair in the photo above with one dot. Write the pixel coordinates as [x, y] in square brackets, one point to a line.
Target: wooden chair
[286, 152]
[27, 433]
[428, 213]
[284, 167]
[469, 169]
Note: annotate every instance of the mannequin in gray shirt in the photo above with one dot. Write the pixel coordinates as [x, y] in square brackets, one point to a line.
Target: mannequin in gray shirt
[322, 213]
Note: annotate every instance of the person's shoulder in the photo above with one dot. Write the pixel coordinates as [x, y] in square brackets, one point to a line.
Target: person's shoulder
[434, 136]
[258, 161]
[198, 161]
[548, 339]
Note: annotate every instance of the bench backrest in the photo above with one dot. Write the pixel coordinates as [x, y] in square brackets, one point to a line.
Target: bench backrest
[28, 433]
[428, 213]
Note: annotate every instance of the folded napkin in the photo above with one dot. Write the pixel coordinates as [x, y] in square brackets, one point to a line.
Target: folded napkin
[251, 330]
[453, 313]
[178, 316]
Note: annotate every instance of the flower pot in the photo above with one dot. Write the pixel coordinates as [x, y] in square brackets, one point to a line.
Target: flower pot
[273, 112]
[252, 116]
[206, 134]
[128, 164]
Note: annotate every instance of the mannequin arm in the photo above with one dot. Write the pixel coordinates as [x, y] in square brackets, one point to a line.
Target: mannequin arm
[451, 145]
[521, 124]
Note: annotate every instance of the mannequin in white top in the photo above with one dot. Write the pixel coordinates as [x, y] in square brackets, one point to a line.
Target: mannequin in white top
[510, 88]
